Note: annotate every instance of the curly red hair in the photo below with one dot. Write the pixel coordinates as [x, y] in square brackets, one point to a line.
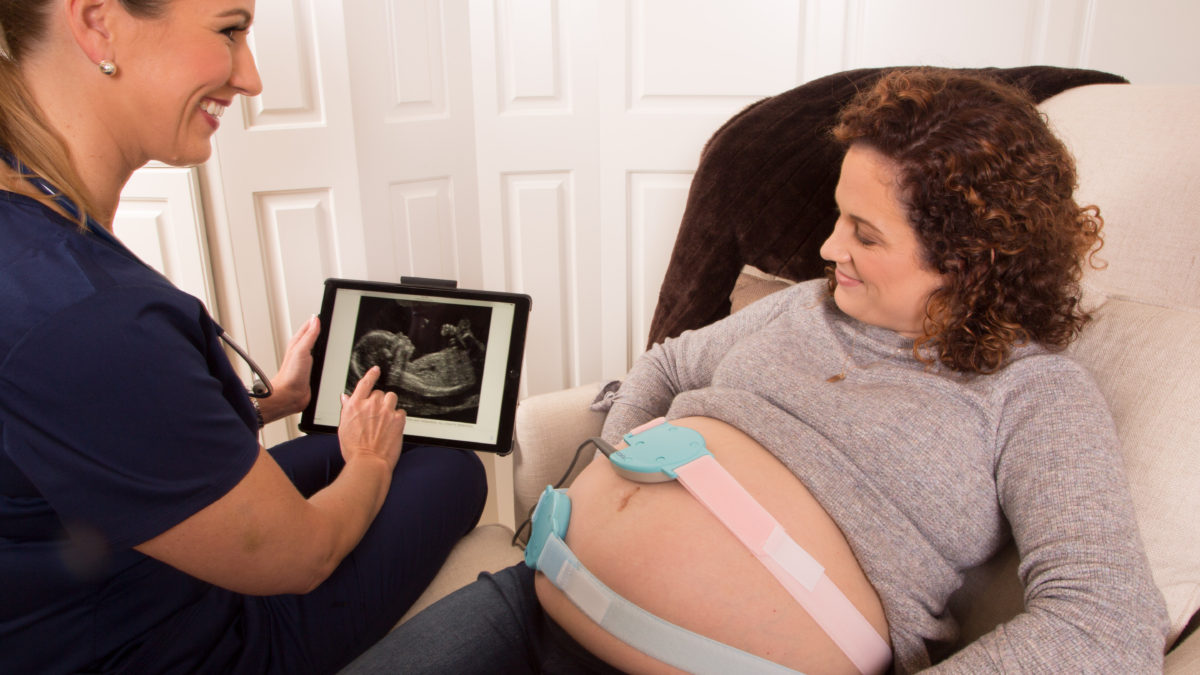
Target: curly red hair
[989, 191]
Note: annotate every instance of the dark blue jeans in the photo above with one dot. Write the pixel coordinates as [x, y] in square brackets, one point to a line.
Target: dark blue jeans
[494, 625]
[436, 497]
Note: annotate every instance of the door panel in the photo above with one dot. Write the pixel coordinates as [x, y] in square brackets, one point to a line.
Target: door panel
[160, 219]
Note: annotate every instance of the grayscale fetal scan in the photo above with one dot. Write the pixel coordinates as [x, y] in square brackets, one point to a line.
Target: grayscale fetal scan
[430, 355]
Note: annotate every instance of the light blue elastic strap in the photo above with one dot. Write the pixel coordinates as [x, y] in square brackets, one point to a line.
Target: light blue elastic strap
[640, 629]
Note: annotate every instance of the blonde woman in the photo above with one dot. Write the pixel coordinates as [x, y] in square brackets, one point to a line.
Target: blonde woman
[143, 529]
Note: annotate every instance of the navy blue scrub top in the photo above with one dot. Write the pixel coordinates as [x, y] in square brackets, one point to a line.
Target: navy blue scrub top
[120, 416]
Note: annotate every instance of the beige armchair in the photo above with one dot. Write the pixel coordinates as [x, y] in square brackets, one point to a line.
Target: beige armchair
[1138, 150]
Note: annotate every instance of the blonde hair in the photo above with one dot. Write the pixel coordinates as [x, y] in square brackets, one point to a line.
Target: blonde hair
[32, 142]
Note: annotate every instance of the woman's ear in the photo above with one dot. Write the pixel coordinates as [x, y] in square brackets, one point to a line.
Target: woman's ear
[89, 23]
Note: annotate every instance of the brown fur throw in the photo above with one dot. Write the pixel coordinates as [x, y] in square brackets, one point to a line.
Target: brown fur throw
[763, 192]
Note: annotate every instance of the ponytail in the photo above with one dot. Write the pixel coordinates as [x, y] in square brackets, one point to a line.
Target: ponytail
[22, 132]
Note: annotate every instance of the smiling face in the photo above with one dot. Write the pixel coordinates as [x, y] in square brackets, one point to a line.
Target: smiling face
[178, 73]
[881, 279]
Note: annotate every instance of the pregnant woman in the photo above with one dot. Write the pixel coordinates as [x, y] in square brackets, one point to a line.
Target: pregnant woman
[903, 420]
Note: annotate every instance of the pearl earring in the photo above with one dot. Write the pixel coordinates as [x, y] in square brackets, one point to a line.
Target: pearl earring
[108, 67]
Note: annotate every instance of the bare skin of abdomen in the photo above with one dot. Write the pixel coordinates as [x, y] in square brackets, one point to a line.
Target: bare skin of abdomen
[661, 549]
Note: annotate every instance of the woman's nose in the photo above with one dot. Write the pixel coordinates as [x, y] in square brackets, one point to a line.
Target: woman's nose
[833, 250]
[245, 76]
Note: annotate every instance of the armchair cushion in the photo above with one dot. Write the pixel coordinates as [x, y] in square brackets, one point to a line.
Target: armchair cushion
[1146, 360]
[753, 284]
[1138, 153]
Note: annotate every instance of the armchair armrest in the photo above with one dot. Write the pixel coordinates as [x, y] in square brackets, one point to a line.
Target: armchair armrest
[548, 429]
[1185, 657]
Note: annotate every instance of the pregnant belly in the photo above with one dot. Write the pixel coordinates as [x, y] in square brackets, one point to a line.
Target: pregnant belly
[657, 546]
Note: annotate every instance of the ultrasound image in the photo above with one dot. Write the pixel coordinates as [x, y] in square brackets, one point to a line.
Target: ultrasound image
[430, 355]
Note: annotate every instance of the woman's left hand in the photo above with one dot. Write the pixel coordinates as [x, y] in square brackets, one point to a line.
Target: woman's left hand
[291, 384]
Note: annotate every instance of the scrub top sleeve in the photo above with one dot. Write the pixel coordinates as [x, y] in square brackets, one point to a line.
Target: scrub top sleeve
[118, 409]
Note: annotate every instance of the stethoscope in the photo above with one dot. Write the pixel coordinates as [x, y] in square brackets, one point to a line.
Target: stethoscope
[261, 386]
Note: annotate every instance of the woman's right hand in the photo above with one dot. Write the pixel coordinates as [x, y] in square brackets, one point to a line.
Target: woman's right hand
[371, 425]
[263, 537]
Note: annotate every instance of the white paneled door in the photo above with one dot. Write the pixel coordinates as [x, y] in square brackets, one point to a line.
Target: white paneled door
[286, 166]
[589, 120]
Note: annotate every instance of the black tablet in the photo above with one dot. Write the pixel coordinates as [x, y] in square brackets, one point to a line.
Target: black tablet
[452, 356]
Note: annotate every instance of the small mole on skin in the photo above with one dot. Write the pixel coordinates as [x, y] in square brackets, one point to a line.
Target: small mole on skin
[626, 498]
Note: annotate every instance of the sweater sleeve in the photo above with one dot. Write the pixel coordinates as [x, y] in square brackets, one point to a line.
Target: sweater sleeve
[687, 362]
[1090, 602]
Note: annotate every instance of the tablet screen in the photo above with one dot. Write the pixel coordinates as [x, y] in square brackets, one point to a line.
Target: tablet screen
[452, 357]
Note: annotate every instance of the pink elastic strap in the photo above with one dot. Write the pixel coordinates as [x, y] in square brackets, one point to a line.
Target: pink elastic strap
[802, 576]
[648, 425]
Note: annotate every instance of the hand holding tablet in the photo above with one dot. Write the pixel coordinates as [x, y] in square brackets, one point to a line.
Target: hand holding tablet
[451, 356]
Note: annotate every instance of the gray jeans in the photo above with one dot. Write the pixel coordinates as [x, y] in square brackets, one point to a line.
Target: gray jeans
[494, 625]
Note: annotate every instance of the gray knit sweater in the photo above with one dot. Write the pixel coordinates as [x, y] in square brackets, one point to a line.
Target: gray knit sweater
[929, 473]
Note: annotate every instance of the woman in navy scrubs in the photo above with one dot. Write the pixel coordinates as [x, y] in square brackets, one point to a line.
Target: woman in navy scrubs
[142, 526]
